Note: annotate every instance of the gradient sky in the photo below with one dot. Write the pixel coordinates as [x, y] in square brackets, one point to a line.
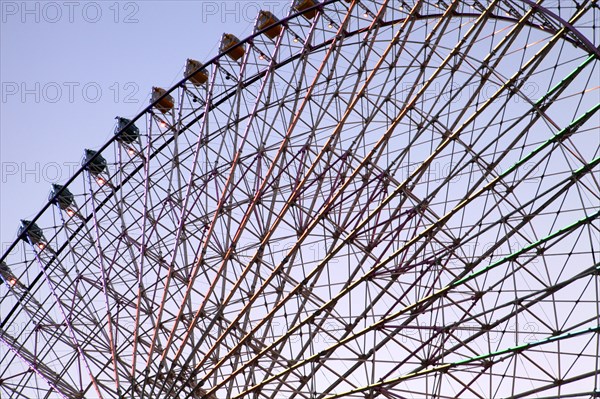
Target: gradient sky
[68, 68]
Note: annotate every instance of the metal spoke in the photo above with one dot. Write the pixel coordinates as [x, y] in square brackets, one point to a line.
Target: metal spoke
[365, 198]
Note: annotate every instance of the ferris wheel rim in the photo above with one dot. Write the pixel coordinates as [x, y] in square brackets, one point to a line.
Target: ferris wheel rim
[585, 44]
[147, 110]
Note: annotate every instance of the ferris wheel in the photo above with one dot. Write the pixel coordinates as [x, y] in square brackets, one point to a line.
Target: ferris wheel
[363, 199]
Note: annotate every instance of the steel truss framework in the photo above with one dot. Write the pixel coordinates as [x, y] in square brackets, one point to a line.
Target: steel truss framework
[390, 199]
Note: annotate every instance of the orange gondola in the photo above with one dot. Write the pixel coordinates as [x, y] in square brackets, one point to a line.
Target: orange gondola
[301, 5]
[198, 78]
[265, 19]
[166, 103]
[227, 42]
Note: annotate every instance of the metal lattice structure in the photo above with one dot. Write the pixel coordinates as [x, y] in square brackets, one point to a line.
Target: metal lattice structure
[364, 199]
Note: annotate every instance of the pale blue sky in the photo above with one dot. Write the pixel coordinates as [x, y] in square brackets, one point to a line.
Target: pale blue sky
[68, 68]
